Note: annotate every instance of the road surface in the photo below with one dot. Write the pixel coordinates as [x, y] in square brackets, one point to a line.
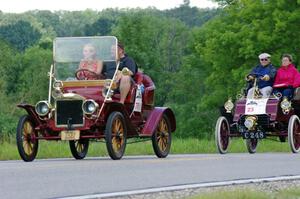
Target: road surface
[54, 178]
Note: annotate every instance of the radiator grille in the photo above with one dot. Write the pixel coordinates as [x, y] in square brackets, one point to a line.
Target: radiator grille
[69, 111]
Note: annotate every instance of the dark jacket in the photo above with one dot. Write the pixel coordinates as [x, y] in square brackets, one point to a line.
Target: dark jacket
[265, 70]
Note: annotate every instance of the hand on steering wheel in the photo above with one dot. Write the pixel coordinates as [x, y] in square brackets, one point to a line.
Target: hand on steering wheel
[86, 74]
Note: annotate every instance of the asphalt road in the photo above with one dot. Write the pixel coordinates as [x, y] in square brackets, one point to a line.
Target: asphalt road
[68, 177]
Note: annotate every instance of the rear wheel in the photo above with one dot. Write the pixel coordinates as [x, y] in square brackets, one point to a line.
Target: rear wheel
[116, 135]
[161, 138]
[294, 133]
[222, 132]
[26, 140]
[251, 145]
[79, 148]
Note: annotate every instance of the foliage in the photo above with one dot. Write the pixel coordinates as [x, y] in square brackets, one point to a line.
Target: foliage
[21, 34]
[196, 57]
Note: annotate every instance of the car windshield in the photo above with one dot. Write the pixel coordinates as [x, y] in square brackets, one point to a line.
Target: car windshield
[70, 52]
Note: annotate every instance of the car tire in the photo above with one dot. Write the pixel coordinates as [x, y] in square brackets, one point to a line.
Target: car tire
[294, 133]
[79, 148]
[162, 138]
[25, 137]
[251, 145]
[116, 135]
[222, 131]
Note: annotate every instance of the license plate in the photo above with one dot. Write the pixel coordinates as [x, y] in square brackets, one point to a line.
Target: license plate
[70, 135]
[254, 135]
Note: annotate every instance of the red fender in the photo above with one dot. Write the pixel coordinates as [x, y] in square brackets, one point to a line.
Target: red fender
[155, 117]
[31, 112]
[115, 106]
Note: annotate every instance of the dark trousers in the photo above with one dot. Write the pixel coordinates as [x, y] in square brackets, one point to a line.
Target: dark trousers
[286, 92]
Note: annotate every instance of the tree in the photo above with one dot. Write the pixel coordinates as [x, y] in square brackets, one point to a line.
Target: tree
[157, 44]
[21, 34]
[102, 26]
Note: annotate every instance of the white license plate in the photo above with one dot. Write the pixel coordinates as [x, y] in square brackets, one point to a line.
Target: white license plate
[70, 135]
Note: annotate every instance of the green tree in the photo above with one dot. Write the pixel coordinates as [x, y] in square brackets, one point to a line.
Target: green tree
[157, 44]
[21, 34]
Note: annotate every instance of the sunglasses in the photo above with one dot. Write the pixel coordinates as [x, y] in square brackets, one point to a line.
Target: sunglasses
[264, 59]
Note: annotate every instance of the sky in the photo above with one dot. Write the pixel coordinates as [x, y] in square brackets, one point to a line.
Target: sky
[17, 6]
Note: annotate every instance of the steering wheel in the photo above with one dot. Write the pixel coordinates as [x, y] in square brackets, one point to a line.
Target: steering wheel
[255, 75]
[86, 74]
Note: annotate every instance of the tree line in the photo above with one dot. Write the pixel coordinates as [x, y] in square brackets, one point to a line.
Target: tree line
[196, 57]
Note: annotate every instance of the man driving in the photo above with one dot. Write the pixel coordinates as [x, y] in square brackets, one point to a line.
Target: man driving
[266, 72]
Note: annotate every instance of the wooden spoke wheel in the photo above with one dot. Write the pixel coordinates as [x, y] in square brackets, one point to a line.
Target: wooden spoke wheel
[222, 132]
[26, 139]
[251, 145]
[294, 133]
[161, 138]
[116, 135]
[79, 148]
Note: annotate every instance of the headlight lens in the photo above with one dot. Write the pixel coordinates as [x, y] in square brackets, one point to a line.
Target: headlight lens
[250, 122]
[285, 104]
[42, 108]
[89, 106]
[229, 106]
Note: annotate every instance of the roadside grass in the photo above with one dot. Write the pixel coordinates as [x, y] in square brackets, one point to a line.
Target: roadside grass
[234, 194]
[58, 149]
[246, 193]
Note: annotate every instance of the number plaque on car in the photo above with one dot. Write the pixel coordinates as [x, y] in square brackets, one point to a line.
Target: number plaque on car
[70, 135]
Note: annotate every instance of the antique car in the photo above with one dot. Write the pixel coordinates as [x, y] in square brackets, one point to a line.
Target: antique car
[83, 106]
[257, 118]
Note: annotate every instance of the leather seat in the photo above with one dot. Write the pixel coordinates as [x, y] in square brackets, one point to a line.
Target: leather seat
[148, 95]
[149, 87]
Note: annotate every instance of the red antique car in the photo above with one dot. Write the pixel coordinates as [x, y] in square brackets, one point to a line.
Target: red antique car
[80, 109]
[257, 118]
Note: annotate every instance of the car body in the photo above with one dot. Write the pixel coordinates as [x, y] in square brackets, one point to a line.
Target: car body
[82, 109]
[258, 118]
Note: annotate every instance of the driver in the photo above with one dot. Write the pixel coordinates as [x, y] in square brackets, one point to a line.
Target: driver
[93, 66]
[267, 72]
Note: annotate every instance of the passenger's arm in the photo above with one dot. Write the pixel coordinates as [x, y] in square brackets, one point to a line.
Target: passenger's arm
[99, 67]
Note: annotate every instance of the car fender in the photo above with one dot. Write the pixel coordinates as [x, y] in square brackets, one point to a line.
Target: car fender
[115, 106]
[31, 112]
[154, 117]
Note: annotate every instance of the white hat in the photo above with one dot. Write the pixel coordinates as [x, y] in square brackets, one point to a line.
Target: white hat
[264, 55]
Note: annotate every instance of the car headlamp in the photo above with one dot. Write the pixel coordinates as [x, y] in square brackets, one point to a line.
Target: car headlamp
[89, 107]
[228, 106]
[285, 105]
[250, 122]
[57, 84]
[42, 108]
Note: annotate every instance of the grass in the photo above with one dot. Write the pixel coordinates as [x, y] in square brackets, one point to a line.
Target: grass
[246, 193]
[58, 149]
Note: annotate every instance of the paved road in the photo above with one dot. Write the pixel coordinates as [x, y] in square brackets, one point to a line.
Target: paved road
[68, 177]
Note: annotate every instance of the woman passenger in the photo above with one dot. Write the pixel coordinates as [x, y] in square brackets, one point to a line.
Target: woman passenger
[285, 80]
[90, 62]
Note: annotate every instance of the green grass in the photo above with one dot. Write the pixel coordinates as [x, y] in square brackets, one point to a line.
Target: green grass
[291, 193]
[233, 194]
[56, 149]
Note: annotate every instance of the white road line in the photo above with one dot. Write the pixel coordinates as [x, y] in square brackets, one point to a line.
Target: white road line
[188, 186]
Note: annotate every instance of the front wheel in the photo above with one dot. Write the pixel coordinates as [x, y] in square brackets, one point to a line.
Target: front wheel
[222, 132]
[251, 145]
[26, 139]
[79, 148]
[294, 133]
[116, 135]
[161, 138]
